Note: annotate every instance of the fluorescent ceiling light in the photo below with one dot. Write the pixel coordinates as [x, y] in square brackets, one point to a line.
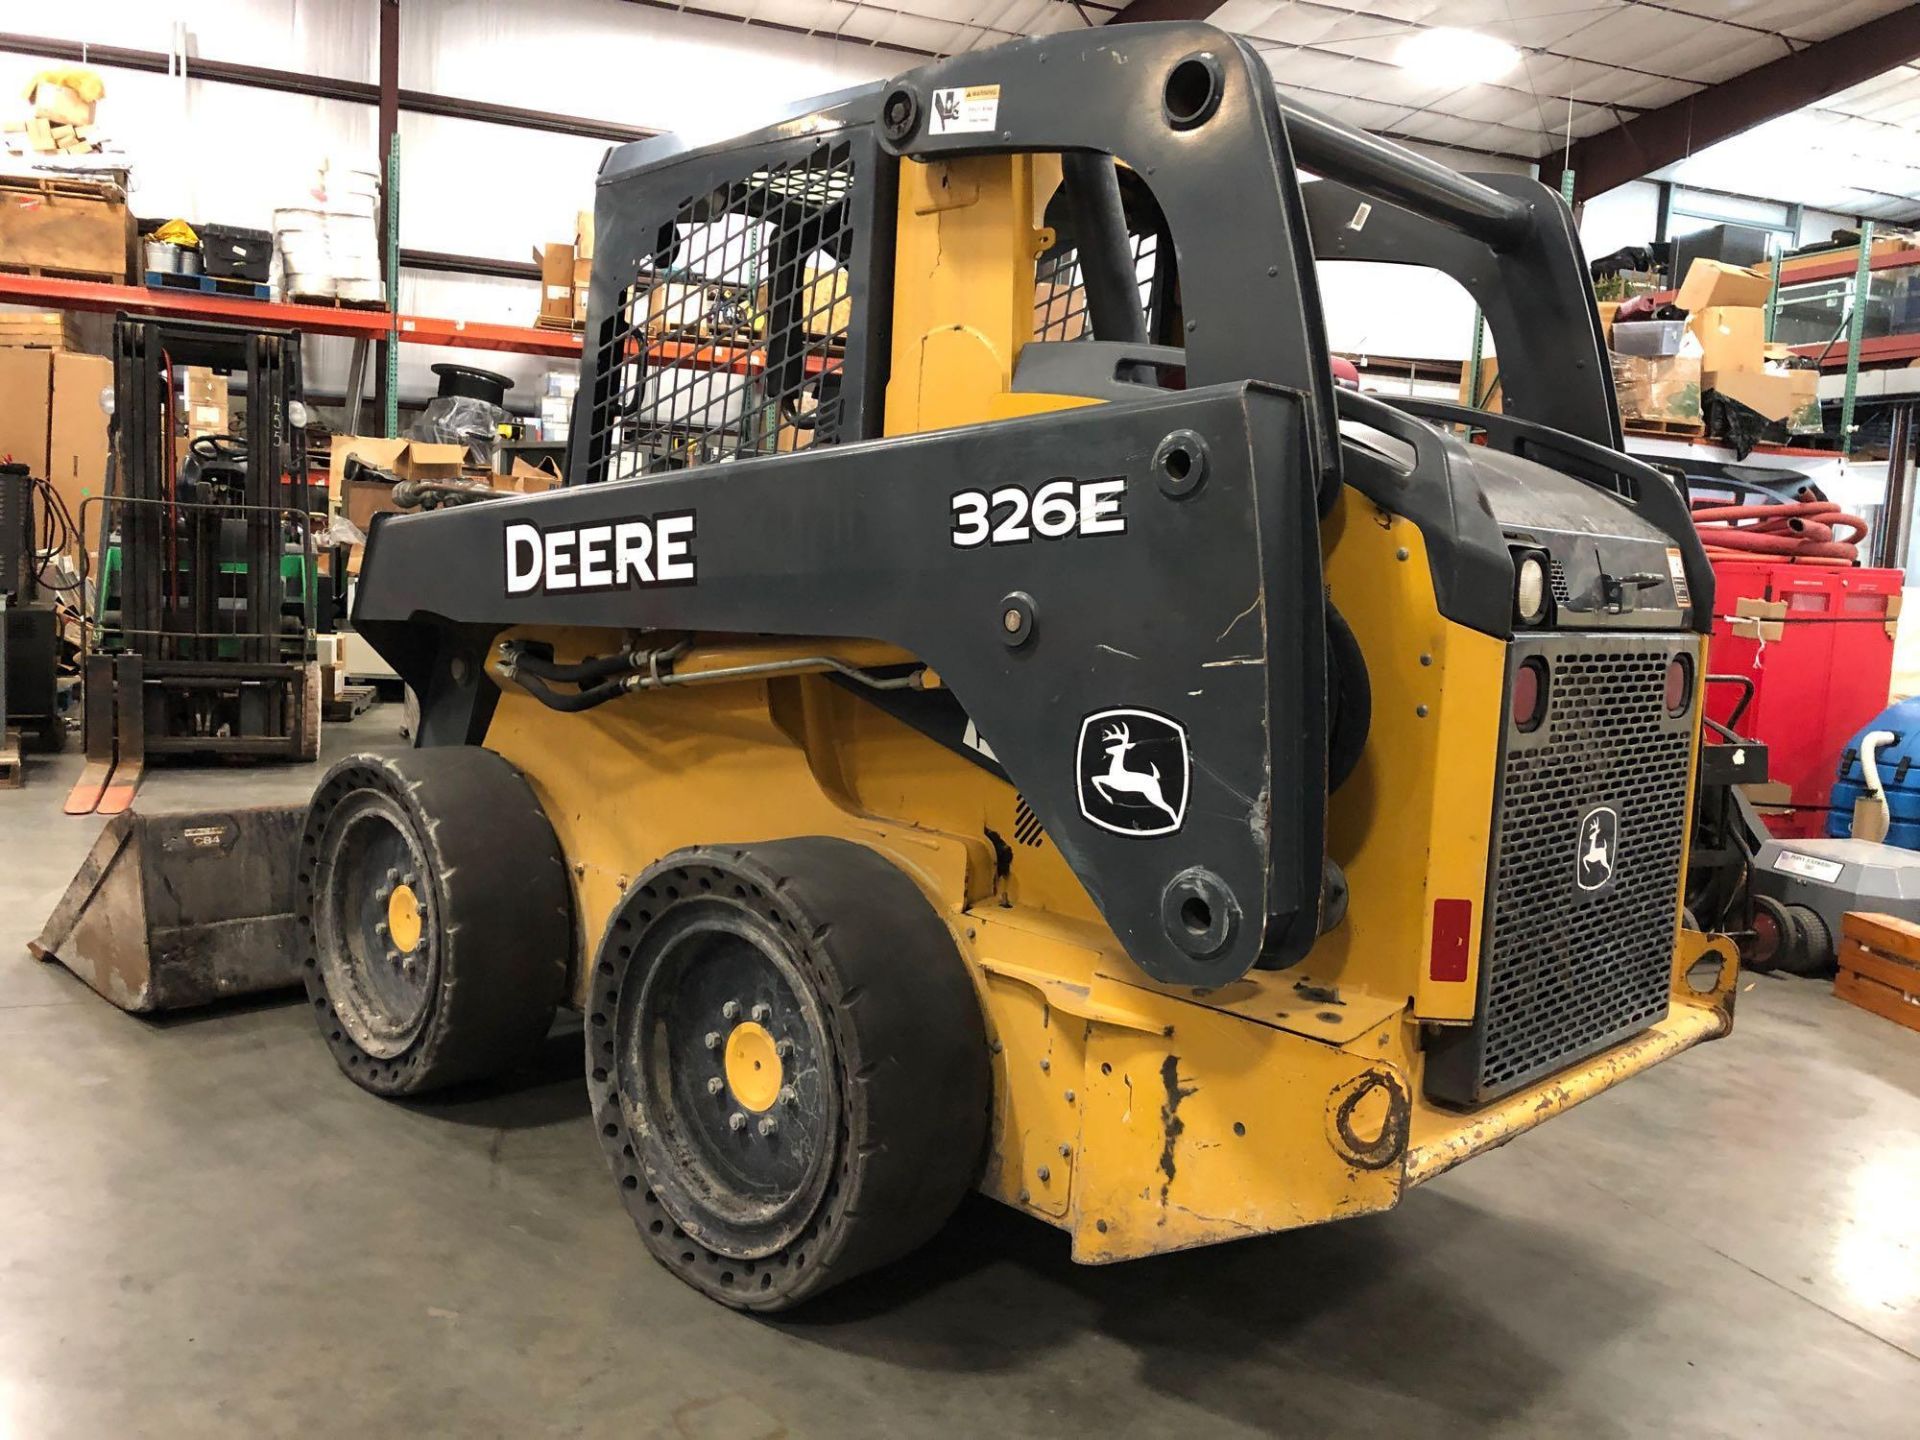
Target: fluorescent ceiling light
[1461, 57]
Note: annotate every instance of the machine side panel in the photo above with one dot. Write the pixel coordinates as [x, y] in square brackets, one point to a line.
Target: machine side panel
[1135, 649]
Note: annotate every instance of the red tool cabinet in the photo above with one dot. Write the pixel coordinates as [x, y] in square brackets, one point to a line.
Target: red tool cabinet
[1817, 642]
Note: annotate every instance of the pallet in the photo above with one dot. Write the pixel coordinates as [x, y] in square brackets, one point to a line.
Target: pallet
[1688, 429]
[348, 702]
[13, 773]
[334, 302]
[210, 285]
[551, 322]
[1880, 967]
[54, 272]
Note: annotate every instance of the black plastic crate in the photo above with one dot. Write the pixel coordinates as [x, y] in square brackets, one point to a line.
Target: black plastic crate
[235, 253]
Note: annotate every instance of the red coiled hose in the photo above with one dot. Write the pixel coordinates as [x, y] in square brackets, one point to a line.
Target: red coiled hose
[1800, 531]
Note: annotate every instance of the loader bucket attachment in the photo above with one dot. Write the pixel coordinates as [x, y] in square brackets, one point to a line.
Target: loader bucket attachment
[172, 911]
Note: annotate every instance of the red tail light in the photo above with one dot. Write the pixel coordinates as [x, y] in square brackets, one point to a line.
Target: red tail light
[1452, 930]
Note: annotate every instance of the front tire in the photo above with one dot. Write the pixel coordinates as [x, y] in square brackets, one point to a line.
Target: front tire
[788, 1067]
[437, 915]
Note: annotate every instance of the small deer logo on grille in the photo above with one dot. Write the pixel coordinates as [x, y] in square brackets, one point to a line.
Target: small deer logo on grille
[1121, 781]
[1599, 844]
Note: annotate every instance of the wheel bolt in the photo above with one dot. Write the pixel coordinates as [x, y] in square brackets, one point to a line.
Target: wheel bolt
[762, 1013]
[736, 1122]
[380, 929]
[768, 1125]
[787, 1097]
[716, 1085]
[783, 1048]
[713, 1039]
[730, 1010]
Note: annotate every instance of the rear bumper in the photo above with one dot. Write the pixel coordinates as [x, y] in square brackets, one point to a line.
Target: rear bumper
[1440, 1139]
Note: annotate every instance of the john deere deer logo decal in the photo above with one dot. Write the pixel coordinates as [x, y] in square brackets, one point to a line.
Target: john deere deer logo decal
[1597, 854]
[1133, 772]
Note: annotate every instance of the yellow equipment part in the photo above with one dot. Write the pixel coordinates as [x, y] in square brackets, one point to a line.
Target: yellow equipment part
[1137, 1116]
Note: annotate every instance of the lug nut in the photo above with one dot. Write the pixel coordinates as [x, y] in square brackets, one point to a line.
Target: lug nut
[736, 1122]
[713, 1039]
[762, 1013]
[380, 929]
[768, 1125]
[787, 1097]
[783, 1048]
[730, 1010]
[716, 1085]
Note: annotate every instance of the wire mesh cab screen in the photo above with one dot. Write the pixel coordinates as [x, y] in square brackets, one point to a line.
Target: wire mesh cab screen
[1060, 292]
[733, 337]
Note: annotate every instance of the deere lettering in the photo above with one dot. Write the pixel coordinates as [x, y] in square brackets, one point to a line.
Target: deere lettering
[616, 555]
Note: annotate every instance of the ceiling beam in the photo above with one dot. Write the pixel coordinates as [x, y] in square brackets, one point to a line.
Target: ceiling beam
[1658, 138]
[1136, 11]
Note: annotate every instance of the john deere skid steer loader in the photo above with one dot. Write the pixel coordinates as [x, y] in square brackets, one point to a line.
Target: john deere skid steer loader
[986, 712]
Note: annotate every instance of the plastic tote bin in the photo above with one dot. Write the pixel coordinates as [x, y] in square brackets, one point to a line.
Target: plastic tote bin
[236, 253]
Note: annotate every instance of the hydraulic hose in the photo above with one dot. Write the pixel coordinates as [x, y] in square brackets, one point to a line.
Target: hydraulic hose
[1802, 531]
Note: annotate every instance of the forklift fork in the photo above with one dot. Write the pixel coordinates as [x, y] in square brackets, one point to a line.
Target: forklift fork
[116, 736]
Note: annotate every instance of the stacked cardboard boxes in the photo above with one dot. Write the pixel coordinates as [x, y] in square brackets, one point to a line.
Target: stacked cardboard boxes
[51, 419]
[565, 274]
[1726, 313]
[1664, 368]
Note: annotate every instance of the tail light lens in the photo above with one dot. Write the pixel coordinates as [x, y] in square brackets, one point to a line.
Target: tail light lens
[1530, 694]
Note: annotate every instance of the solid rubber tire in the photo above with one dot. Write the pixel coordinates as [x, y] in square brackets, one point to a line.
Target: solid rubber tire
[908, 1042]
[498, 905]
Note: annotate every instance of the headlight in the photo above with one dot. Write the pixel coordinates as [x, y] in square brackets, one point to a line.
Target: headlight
[1530, 590]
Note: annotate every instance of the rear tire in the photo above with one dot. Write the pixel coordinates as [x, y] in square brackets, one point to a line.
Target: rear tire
[437, 914]
[788, 1066]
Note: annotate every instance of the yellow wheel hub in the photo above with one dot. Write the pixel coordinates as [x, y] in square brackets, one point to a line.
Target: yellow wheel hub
[403, 918]
[753, 1066]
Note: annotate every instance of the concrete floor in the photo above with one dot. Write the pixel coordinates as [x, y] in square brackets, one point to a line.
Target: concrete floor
[204, 1229]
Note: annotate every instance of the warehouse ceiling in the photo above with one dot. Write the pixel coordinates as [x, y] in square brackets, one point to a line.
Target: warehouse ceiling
[1857, 153]
[1584, 67]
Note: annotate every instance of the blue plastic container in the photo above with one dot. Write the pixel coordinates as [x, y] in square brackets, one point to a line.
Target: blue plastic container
[1899, 766]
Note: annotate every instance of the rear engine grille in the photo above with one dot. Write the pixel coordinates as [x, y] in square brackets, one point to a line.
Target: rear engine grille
[1568, 970]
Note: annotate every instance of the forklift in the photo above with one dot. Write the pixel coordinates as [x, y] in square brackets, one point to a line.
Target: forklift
[987, 712]
[202, 642]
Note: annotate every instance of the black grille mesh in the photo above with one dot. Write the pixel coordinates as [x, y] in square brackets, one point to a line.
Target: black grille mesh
[734, 342]
[1060, 295]
[1568, 974]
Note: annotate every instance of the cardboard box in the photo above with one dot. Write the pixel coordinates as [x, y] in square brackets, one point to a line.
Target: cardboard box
[826, 310]
[62, 106]
[207, 410]
[1485, 393]
[1608, 309]
[525, 479]
[556, 283]
[1711, 282]
[676, 308]
[1059, 312]
[26, 400]
[583, 235]
[1732, 339]
[1791, 396]
[77, 439]
[405, 459]
[1659, 391]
